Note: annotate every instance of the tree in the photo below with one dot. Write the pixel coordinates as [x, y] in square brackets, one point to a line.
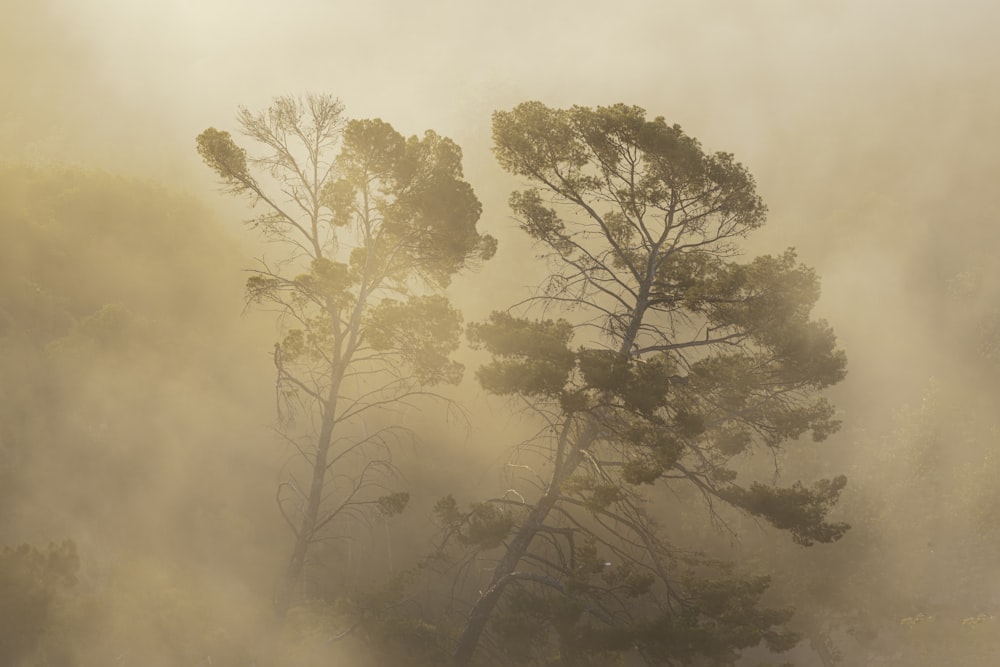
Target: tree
[371, 222]
[685, 360]
[88, 437]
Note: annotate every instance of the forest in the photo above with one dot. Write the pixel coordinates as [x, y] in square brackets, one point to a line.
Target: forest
[538, 368]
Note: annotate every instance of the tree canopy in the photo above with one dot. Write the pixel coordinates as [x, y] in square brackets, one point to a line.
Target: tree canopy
[667, 359]
[373, 223]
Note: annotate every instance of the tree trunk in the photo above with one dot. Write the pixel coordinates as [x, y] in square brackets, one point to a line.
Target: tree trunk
[483, 609]
[296, 564]
[487, 602]
[518, 547]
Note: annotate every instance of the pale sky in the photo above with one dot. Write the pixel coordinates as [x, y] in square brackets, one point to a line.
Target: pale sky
[718, 64]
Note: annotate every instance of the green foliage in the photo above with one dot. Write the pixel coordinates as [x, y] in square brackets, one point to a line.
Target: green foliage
[339, 198]
[447, 512]
[580, 152]
[689, 425]
[603, 370]
[770, 299]
[483, 526]
[404, 201]
[642, 471]
[393, 503]
[533, 356]
[560, 625]
[739, 384]
[642, 385]
[507, 336]
[261, 288]
[327, 282]
[372, 150]
[654, 450]
[732, 439]
[540, 221]
[434, 218]
[767, 301]
[424, 331]
[430, 213]
[487, 526]
[522, 628]
[724, 617]
[225, 158]
[796, 509]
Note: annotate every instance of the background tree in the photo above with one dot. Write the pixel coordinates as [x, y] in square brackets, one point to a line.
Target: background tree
[30, 582]
[367, 217]
[685, 360]
[124, 401]
[915, 582]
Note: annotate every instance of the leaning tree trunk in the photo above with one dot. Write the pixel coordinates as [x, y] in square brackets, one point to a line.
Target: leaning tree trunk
[483, 610]
[487, 602]
[518, 547]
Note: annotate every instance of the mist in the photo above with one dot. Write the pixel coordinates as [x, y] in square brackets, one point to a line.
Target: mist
[138, 405]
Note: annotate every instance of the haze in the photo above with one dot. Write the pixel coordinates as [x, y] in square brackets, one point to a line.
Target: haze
[871, 128]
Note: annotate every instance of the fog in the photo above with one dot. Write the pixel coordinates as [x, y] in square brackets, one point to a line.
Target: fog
[138, 396]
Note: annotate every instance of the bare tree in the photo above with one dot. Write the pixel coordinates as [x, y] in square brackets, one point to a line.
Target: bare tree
[686, 359]
[371, 223]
